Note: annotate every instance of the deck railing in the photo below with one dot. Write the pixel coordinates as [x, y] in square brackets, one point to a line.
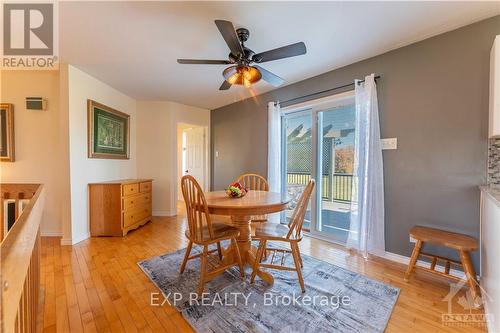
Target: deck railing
[20, 257]
[334, 187]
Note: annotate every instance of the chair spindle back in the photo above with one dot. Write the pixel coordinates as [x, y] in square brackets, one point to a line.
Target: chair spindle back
[197, 211]
[297, 219]
[254, 182]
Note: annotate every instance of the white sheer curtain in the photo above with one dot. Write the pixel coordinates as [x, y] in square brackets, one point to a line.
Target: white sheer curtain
[366, 232]
[274, 152]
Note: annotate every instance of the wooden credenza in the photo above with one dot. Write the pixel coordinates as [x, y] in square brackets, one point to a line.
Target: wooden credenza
[116, 207]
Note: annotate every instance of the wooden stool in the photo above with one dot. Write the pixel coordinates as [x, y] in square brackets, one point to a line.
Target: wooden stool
[462, 243]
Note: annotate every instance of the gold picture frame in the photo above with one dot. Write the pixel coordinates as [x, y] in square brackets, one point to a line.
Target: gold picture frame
[108, 132]
[7, 132]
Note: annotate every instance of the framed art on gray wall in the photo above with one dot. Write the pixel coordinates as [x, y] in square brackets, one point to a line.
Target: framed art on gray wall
[6, 132]
[108, 132]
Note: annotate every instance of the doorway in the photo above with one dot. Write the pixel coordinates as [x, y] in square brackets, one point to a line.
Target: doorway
[192, 154]
[318, 143]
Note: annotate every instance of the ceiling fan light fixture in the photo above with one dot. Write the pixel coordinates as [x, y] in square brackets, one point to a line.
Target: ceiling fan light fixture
[242, 75]
[241, 57]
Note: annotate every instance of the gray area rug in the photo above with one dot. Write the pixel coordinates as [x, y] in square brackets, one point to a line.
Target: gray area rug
[336, 300]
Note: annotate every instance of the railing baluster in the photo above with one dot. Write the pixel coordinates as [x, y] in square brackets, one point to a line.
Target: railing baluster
[336, 187]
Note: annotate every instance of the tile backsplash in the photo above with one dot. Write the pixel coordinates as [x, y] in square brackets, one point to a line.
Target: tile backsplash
[494, 162]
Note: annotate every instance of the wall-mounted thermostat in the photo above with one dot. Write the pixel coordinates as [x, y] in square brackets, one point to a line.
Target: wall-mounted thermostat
[36, 103]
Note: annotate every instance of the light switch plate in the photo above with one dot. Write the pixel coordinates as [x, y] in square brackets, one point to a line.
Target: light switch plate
[390, 144]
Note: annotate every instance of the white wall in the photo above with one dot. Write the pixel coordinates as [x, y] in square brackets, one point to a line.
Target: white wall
[51, 145]
[40, 143]
[157, 147]
[84, 170]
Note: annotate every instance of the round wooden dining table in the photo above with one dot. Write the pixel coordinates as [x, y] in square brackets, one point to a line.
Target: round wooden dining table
[241, 210]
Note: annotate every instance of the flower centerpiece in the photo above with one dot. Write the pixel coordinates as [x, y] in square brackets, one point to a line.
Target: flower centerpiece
[236, 190]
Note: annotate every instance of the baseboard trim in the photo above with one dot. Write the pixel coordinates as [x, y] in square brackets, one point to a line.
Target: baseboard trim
[164, 213]
[81, 238]
[71, 241]
[51, 234]
[66, 241]
[396, 257]
[405, 260]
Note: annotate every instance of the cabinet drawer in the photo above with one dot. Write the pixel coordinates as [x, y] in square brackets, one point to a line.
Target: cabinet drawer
[130, 189]
[145, 187]
[136, 200]
[135, 216]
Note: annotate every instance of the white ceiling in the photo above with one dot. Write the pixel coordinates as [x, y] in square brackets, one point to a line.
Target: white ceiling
[133, 46]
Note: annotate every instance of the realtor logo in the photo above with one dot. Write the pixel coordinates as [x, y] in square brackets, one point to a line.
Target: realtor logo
[29, 40]
[473, 318]
[28, 29]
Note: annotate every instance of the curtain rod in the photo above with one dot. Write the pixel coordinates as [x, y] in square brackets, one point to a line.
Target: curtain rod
[324, 91]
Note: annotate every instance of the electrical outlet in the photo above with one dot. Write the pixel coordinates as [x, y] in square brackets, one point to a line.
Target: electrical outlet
[412, 240]
[389, 144]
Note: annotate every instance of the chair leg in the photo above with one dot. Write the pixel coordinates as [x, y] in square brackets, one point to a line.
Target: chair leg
[219, 250]
[296, 259]
[236, 250]
[470, 273]
[300, 257]
[203, 269]
[258, 258]
[186, 256]
[413, 259]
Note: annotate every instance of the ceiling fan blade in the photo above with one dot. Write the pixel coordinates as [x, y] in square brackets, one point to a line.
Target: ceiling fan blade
[273, 79]
[291, 50]
[225, 85]
[227, 31]
[203, 62]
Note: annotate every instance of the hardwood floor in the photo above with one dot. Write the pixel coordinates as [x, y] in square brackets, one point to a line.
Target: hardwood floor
[96, 286]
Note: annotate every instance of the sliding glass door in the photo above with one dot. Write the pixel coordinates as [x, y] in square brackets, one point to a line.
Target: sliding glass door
[335, 155]
[318, 143]
[298, 158]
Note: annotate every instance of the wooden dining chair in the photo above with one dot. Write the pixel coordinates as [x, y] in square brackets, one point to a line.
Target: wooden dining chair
[203, 232]
[291, 234]
[254, 182]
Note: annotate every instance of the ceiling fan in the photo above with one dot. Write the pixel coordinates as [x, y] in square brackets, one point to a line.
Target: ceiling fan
[243, 69]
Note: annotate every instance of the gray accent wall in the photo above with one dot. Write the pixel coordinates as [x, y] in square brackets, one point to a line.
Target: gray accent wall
[433, 96]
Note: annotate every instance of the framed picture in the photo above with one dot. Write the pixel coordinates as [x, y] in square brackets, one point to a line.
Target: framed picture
[108, 132]
[6, 132]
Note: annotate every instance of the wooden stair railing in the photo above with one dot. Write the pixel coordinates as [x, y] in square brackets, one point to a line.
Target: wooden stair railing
[20, 260]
